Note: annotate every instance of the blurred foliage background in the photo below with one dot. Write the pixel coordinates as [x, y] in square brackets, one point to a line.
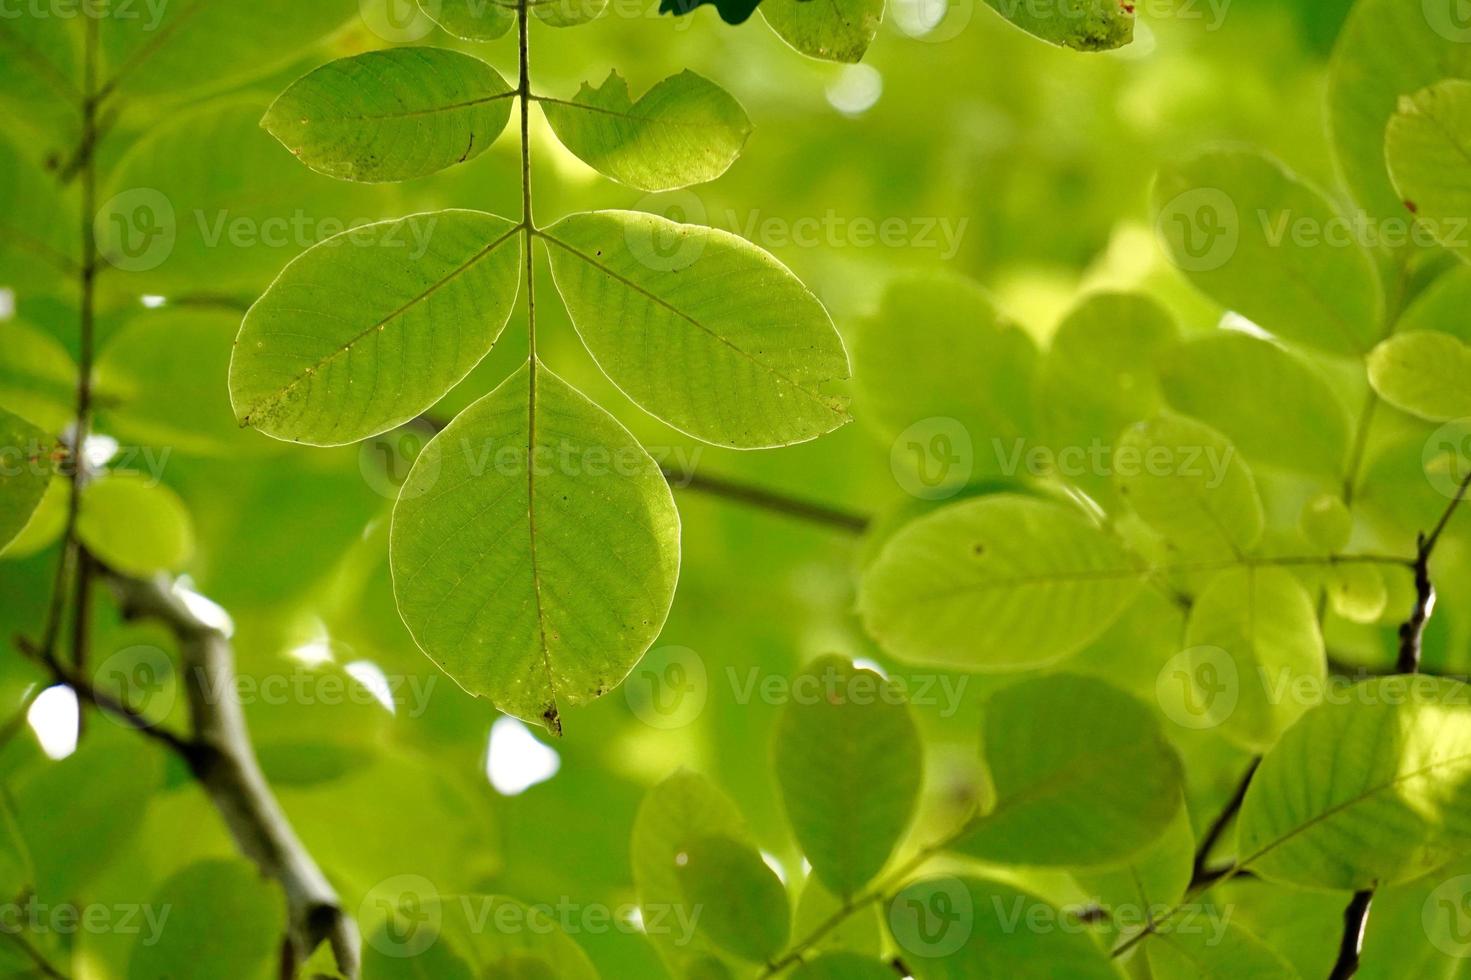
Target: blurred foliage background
[1022, 166]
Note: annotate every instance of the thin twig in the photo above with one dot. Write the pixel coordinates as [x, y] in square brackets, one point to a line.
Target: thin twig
[759, 497]
[1200, 872]
[1355, 919]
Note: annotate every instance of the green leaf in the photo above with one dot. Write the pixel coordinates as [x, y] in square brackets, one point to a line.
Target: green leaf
[1157, 876]
[174, 50]
[1188, 482]
[962, 928]
[716, 338]
[1081, 775]
[38, 379]
[682, 809]
[392, 115]
[135, 525]
[536, 583]
[471, 20]
[1260, 241]
[1273, 405]
[1085, 25]
[1225, 952]
[37, 225]
[569, 13]
[1326, 523]
[995, 583]
[849, 763]
[744, 904]
[40, 73]
[161, 379]
[1370, 788]
[838, 30]
[1429, 154]
[906, 386]
[28, 458]
[685, 130]
[46, 525]
[1099, 375]
[1252, 648]
[844, 966]
[1386, 50]
[225, 920]
[359, 334]
[1358, 593]
[1425, 373]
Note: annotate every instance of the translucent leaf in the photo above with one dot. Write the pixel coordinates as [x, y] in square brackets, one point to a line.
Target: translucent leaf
[995, 583]
[1099, 375]
[949, 425]
[1326, 523]
[135, 525]
[1157, 876]
[1358, 592]
[844, 966]
[743, 903]
[172, 50]
[701, 328]
[1081, 775]
[225, 920]
[1387, 49]
[1189, 483]
[28, 458]
[1425, 373]
[1252, 650]
[860, 932]
[472, 20]
[1273, 405]
[962, 928]
[674, 814]
[359, 334]
[38, 379]
[38, 232]
[46, 525]
[1430, 161]
[685, 130]
[536, 583]
[1227, 952]
[1370, 788]
[1085, 25]
[849, 763]
[392, 115]
[840, 30]
[1256, 239]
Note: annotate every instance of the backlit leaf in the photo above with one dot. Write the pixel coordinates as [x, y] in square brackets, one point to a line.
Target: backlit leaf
[1425, 373]
[744, 904]
[836, 30]
[134, 524]
[392, 115]
[1428, 146]
[28, 458]
[1086, 25]
[493, 563]
[701, 328]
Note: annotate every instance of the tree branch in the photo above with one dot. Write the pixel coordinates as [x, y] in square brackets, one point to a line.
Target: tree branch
[223, 760]
[1355, 919]
[1200, 873]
